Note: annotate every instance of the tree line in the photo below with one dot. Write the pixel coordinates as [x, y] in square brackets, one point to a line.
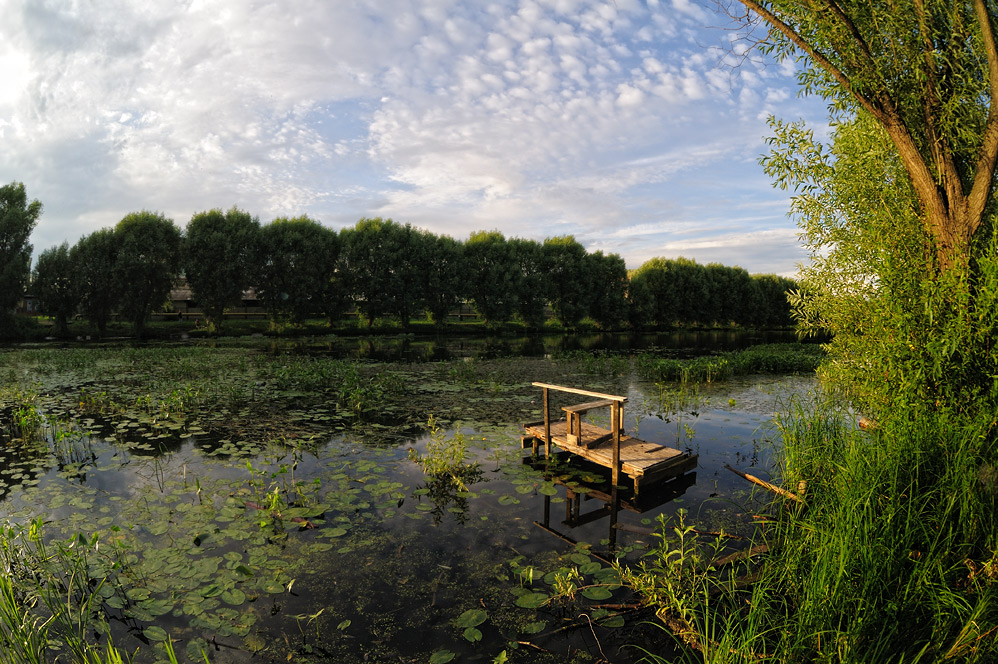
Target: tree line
[301, 269]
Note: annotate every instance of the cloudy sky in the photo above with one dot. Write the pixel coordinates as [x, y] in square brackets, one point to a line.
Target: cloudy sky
[633, 125]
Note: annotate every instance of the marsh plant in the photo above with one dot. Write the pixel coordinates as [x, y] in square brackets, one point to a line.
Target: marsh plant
[446, 456]
[677, 402]
[53, 597]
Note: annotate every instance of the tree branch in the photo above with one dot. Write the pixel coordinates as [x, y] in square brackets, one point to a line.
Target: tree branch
[985, 170]
[819, 58]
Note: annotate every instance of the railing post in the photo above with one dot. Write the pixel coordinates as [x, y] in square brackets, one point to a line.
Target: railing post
[615, 416]
[547, 425]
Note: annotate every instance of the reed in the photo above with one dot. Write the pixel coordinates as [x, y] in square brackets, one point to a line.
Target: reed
[892, 555]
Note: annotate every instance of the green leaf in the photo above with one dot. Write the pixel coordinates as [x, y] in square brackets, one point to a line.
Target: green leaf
[472, 618]
[442, 657]
[155, 633]
[535, 627]
[597, 593]
[235, 597]
[472, 634]
[531, 600]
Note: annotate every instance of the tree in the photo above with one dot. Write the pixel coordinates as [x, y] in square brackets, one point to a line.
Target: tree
[55, 285]
[386, 263]
[678, 289]
[219, 252]
[928, 76]
[147, 265]
[296, 264]
[731, 295]
[569, 285]
[770, 305]
[532, 280]
[493, 275]
[94, 258]
[17, 219]
[445, 277]
[898, 213]
[608, 296]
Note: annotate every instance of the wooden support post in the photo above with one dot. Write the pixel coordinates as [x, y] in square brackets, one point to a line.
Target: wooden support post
[614, 472]
[547, 425]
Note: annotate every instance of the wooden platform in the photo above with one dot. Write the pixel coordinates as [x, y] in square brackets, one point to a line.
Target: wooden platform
[640, 460]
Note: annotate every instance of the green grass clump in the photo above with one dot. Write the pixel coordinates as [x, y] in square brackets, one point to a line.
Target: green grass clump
[891, 555]
[765, 358]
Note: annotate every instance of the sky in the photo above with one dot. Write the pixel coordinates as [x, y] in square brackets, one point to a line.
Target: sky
[634, 125]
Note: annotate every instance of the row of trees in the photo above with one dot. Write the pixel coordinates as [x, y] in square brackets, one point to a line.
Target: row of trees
[300, 268]
[681, 291]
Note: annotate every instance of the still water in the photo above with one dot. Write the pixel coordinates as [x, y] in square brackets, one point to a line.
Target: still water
[340, 547]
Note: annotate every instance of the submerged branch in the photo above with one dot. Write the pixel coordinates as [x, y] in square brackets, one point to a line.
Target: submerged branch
[766, 485]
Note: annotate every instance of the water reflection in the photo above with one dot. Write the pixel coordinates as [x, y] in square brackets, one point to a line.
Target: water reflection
[591, 502]
[419, 348]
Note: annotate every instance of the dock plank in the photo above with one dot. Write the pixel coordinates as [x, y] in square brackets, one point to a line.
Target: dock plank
[639, 459]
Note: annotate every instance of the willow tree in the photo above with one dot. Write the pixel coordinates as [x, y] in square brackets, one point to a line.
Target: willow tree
[219, 259]
[898, 210]
[147, 264]
[927, 73]
[17, 219]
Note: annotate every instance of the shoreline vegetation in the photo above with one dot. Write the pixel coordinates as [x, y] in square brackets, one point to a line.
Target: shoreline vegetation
[168, 327]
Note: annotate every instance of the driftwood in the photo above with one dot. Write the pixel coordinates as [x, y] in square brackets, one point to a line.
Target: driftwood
[741, 555]
[766, 485]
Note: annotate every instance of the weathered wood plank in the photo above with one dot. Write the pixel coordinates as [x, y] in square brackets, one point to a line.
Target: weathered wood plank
[639, 459]
[589, 405]
[585, 393]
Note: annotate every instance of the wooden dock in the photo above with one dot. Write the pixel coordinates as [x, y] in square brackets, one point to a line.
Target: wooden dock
[639, 460]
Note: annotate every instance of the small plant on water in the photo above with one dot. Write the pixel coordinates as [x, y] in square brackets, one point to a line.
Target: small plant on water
[446, 456]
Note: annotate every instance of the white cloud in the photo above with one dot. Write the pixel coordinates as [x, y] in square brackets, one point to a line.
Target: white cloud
[534, 117]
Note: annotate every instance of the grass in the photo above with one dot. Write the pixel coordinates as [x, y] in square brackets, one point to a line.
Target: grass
[761, 359]
[52, 598]
[891, 557]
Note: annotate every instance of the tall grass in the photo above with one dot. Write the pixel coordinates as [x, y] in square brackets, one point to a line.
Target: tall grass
[52, 598]
[764, 358]
[892, 555]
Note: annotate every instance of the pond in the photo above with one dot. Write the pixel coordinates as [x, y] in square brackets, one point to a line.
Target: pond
[266, 504]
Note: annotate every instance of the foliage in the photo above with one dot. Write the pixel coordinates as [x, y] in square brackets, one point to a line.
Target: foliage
[445, 276]
[387, 264]
[147, 264]
[17, 219]
[759, 359]
[494, 276]
[52, 597]
[296, 268]
[570, 280]
[531, 280]
[608, 295]
[927, 79]
[55, 285]
[889, 554]
[446, 457]
[219, 253]
[683, 292]
[352, 390]
[94, 257]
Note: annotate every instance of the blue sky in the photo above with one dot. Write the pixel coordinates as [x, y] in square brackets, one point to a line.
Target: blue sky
[633, 125]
